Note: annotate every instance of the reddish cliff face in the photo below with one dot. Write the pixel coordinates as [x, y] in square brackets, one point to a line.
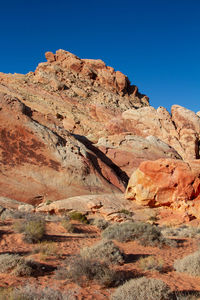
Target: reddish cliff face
[76, 126]
[38, 164]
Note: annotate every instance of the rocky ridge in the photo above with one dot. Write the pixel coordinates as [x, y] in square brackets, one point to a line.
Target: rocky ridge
[78, 127]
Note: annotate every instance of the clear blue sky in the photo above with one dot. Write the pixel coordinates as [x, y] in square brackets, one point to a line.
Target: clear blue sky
[156, 43]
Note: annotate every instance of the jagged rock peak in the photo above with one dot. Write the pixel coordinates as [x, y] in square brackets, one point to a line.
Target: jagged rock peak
[64, 70]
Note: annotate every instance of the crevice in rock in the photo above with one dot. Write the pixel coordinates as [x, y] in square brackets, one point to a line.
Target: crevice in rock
[123, 177]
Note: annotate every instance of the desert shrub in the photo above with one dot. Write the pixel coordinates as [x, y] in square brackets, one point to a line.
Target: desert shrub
[30, 292]
[146, 233]
[75, 215]
[188, 295]
[189, 264]
[17, 214]
[106, 251]
[71, 228]
[182, 231]
[16, 264]
[46, 249]
[100, 223]
[25, 268]
[125, 212]
[80, 269]
[150, 263]
[33, 229]
[9, 262]
[142, 289]
[18, 226]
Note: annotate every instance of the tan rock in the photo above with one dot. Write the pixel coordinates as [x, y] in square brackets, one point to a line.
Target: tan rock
[188, 128]
[181, 131]
[104, 205]
[122, 81]
[50, 57]
[26, 208]
[127, 151]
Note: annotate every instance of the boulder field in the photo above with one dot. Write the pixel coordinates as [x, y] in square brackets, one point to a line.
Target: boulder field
[77, 127]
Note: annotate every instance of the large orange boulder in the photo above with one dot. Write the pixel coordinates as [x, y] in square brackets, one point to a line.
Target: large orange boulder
[166, 182]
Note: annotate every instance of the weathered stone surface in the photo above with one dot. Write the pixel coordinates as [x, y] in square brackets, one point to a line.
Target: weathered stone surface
[165, 182]
[188, 127]
[181, 130]
[38, 164]
[26, 208]
[9, 203]
[127, 151]
[105, 205]
[50, 57]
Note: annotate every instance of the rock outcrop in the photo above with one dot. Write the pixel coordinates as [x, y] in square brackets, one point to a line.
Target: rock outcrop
[77, 127]
[108, 206]
[39, 164]
[166, 182]
[180, 130]
[127, 151]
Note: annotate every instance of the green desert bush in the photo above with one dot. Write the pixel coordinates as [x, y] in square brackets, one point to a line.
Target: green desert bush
[105, 251]
[100, 223]
[151, 263]
[80, 269]
[30, 292]
[75, 215]
[33, 229]
[142, 289]
[189, 264]
[17, 265]
[147, 234]
[125, 212]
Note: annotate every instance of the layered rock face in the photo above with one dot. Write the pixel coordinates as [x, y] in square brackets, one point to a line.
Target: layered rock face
[37, 164]
[76, 126]
[180, 130]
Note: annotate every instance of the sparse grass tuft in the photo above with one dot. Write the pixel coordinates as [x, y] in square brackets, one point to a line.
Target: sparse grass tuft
[105, 251]
[33, 229]
[46, 249]
[142, 289]
[189, 264]
[151, 263]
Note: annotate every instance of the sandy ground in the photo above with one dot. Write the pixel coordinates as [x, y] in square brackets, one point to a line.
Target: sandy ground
[70, 244]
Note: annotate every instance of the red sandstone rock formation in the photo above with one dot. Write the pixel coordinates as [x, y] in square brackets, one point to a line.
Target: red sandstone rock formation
[166, 182]
[76, 126]
[37, 164]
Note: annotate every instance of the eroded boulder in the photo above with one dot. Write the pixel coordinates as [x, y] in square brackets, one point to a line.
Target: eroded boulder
[165, 182]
